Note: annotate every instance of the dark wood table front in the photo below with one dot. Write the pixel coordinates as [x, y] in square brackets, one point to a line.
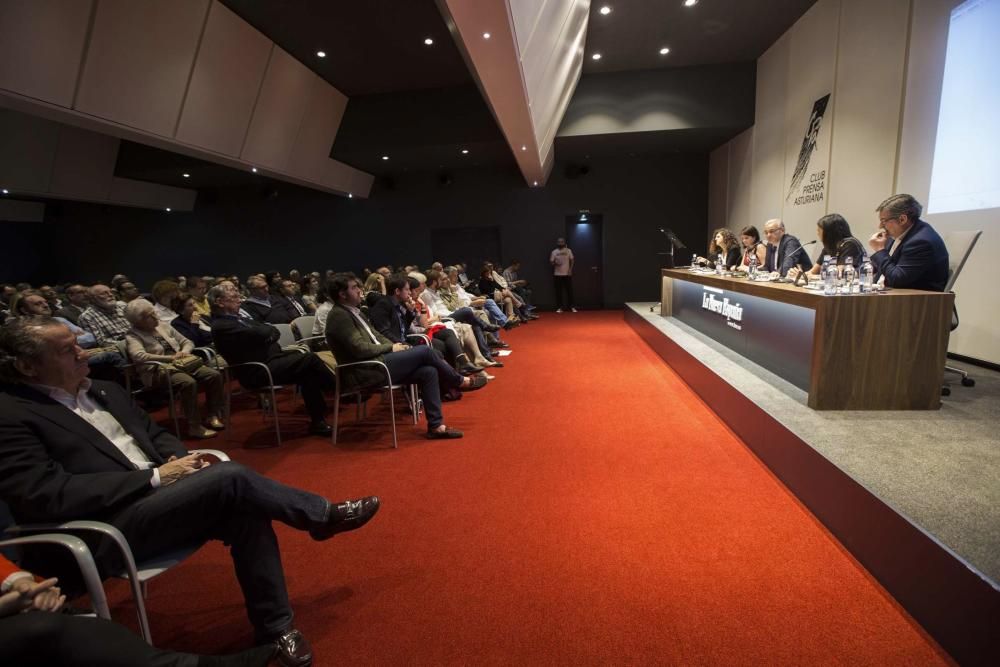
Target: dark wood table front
[883, 351]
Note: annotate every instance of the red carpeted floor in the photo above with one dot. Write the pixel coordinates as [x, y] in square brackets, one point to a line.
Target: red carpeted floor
[596, 512]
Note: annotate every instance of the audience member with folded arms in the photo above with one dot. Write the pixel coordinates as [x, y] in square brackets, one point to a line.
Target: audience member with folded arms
[835, 234]
[152, 340]
[261, 305]
[352, 337]
[35, 629]
[907, 252]
[242, 339]
[81, 449]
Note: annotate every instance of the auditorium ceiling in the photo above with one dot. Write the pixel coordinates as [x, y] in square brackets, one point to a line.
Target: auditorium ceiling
[418, 105]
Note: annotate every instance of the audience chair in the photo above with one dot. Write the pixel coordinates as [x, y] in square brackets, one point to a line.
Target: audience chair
[302, 326]
[267, 395]
[959, 245]
[287, 335]
[137, 574]
[409, 392]
[171, 401]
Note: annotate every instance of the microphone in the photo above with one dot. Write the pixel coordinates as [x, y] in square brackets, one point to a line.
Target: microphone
[813, 242]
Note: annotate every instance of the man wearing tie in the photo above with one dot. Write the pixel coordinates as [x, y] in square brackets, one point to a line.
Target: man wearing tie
[783, 249]
[917, 257]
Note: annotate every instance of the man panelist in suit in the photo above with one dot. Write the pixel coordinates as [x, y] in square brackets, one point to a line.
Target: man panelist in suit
[72, 449]
[907, 252]
[241, 339]
[783, 250]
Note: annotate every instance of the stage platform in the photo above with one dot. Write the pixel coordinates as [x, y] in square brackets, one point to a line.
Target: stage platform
[914, 495]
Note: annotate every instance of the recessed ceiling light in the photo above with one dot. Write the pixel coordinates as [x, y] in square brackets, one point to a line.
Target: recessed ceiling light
[690, 3]
[465, 151]
[605, 10]
[253, 169]
[385, 157]
[535, 183]
[524, 148]
[350, 196]
[321, 54]
[596, 56]
[664, 51]
[428, 41]
[168, 209]
[186, 175]
[5, 191]
[486, 35]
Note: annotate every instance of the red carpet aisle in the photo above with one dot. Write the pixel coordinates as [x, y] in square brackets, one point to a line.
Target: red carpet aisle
[596, 512]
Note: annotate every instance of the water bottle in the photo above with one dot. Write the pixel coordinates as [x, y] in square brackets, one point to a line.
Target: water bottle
[719, 268]
[850, 282]
[752, 265]
[867, 276]
[829, 272]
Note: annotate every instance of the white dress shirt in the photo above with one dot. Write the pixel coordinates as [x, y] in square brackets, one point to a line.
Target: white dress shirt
[84, 407]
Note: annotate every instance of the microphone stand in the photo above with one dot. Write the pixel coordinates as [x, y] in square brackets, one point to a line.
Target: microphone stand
[674, 243]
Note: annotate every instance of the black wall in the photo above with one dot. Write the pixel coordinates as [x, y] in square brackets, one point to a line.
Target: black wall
[246, 230]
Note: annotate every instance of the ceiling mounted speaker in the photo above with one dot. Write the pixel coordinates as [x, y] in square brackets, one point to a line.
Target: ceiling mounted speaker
[574, 171]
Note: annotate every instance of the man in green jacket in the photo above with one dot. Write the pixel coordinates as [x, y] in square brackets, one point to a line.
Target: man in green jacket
[352, 338]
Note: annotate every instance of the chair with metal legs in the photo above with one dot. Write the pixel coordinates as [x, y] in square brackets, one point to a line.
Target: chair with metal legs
[267, 393]
[959, 245]
[409, 392]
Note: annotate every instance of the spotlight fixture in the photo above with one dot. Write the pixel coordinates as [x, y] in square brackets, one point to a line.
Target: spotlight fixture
[605, 10]
[465, 151]
[186, 175]
[524, 148]
[596, 56]
[428, 41]
[664, 51]
[168, 209]
[486, 35]
[253, 169]
[321, 54]
[350, 195]
[385, 157]
[690, 3]
[535, 183]
[5, 191]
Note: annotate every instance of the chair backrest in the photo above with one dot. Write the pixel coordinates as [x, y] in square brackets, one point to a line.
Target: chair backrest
[959, 245]
[302, 326]
[287, 337]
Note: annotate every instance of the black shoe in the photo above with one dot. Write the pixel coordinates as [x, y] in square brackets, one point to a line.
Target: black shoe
[495, 364]
[293, 650]
[500, 344]
[320, 428]
[475, 382]
[508, 325]
[452, 395]
[468, 369]
[446, 434]
[348, 515]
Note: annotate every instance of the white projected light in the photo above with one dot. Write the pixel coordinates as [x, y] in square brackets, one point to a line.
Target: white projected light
[966, 171]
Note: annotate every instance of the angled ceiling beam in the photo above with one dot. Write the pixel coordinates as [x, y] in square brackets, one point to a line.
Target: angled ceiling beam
[526, 68]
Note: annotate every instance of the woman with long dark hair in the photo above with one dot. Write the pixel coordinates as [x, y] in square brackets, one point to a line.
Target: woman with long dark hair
[835, 235]
[724, 245]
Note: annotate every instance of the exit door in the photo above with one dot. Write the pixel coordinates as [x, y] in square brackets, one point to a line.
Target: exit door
[584, 236]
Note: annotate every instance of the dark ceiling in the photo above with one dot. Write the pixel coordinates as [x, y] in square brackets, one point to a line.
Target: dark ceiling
[418, 104]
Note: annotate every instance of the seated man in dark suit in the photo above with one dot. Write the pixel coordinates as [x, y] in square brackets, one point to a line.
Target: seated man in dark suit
[391, 318]
[287, 302]
[77, 449]
[240, 339]
[783, 250]
[352, 337]
[262, 305]
[74, 304]
[917, 257]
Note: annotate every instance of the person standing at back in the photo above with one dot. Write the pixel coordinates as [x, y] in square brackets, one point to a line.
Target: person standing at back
[561, 260]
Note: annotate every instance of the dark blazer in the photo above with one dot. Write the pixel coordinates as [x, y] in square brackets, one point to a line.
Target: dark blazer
[70, 312]
[54, 466]
[240, 340]
[192, 332]
[733, 257]
[384, 316]
[276, 313]
[920, 261]
[349, 342]
[786, 246]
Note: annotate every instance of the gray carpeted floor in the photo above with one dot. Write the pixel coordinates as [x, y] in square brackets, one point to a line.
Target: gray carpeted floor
[939, 468]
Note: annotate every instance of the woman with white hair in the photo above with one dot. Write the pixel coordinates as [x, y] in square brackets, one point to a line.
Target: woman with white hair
[149, 339]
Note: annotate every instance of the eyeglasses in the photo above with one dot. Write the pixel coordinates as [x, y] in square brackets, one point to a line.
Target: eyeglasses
[882, 221]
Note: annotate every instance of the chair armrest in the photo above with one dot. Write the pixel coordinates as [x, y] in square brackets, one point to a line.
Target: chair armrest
[368, 362]
[84, 560]
[270, 378]
[217, 453]
[423, 337]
